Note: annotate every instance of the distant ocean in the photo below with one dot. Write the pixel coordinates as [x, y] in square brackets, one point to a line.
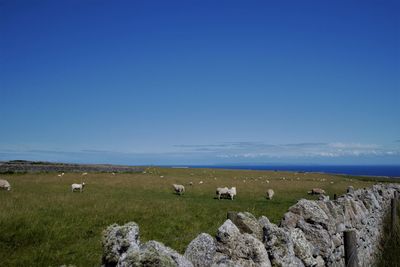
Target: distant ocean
[367, 170]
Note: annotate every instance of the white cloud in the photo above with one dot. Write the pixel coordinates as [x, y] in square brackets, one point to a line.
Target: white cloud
[261, 150]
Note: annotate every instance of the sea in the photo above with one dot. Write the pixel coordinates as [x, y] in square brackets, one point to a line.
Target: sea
[363, 170]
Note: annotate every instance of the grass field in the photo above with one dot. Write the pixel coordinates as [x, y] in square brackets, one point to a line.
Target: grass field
[42, 223]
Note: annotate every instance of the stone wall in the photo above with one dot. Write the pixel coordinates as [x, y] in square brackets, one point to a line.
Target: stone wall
[310, 234]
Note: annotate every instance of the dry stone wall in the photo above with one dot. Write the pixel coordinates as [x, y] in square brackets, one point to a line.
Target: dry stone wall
[310, 234]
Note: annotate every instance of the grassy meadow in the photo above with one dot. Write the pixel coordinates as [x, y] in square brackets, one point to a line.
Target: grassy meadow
[42, 223]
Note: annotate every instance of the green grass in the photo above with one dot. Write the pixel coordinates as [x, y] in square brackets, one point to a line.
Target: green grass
[391, 243]
[42, 223]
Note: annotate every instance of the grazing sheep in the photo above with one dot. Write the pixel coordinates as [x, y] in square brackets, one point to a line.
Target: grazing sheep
[317, 191]
[78, 187]
[201, 182]
[226, 192]
[270, 194]
[4, 184]
[84, 174]
[179, 189]
[191, 183]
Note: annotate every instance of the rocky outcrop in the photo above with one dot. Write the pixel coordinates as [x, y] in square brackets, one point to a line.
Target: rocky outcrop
[310, 234]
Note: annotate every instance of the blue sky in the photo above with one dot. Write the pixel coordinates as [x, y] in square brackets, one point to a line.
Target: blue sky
[200, 82]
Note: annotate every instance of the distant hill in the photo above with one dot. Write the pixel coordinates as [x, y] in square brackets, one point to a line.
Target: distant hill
[22, 166]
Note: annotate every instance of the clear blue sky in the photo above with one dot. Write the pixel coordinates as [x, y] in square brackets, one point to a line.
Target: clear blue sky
[198, 82]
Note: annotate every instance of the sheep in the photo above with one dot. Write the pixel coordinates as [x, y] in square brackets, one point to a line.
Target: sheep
[191, 183]
[84, 174]
[316, 191]
[76, 187]
[4, 184]
[270, 194]
[201, 182]
[225, 191]
[179, 189]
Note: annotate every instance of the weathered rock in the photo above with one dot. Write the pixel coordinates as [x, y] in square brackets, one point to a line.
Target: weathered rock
[117, 240]
[319, 237]
[311, 212]
[236, 249]
[227, 232]
[246, 223]
[350, 190]
[156, 254]
[303, 249]
[121, 248]
[201, 250]
[279, 245]
[323, 198]
[317, 191]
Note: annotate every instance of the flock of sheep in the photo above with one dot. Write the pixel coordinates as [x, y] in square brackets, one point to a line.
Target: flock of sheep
[231, 192]
[221, 192]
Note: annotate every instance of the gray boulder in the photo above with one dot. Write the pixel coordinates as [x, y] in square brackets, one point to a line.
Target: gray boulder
[247, 223]
[122, 248]
[117, 241]
[279, 245]
[350, 190]
[304, 249]
[201, 250]
[156, 254]
[237, 249]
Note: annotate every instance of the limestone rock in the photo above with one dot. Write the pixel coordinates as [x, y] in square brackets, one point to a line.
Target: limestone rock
[279, 245]
[156, 254]
[121, 248]
[350, 190]
[303, 249]
[117, 240]
[246, 223]
[237, 249]
[201, 250]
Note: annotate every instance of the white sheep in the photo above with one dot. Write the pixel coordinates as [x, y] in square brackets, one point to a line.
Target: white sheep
[201, 182]
[76, 187]
[179, 189]
[84, 174]
[4, 184]
[270, 194]
[225, 191]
